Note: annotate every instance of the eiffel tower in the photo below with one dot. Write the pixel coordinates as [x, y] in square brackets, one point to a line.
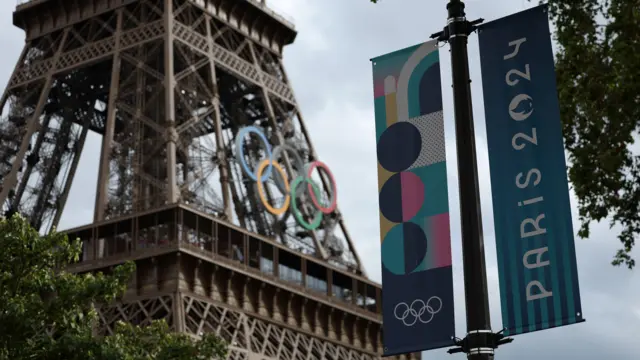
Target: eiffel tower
[201, 135]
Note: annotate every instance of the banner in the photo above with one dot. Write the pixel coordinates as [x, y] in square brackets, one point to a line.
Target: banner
[532, 215]
[417, 282]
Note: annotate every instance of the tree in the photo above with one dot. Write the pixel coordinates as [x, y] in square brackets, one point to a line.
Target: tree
[598, 78]
[48, 313]
[598, 74]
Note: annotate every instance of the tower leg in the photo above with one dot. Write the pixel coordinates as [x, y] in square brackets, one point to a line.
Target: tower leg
[220, 149]
[102, 191]
[10, 179]
[7, 91]
[169, 103]
[68, 181]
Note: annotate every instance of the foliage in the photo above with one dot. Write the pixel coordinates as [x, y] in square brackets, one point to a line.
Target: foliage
[598, 74]
[48, 313]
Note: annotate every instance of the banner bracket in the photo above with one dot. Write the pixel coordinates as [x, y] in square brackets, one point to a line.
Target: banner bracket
[480, 342]
[468, 27]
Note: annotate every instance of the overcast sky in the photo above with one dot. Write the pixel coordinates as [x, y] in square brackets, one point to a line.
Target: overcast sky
[330, 71]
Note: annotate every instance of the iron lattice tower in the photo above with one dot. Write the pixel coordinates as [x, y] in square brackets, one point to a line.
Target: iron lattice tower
[169, 85]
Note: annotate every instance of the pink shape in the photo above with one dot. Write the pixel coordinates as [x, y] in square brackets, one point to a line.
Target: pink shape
[440, 232]
[378, 88]
[412, 190]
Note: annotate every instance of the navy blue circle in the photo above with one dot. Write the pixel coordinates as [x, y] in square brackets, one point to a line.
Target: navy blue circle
[399, 146]
[415, 246]
[390, 198]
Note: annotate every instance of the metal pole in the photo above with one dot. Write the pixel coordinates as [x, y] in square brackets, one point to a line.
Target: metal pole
[479, 339]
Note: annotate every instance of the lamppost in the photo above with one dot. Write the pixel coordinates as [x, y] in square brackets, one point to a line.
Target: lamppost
[480, 341]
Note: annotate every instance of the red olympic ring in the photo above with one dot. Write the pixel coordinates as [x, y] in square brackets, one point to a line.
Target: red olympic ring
[334, 189]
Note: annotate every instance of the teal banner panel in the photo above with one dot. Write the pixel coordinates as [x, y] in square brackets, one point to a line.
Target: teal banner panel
[532, 214]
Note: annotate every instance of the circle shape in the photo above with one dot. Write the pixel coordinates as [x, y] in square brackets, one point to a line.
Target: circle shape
[315, 223]
[260, 185]
[334, 189]
[515, 104]
[430, 308]
[399, 146]
[297, 160]
[240, 152]
[404, 249]
[406, 311]
[401, 197]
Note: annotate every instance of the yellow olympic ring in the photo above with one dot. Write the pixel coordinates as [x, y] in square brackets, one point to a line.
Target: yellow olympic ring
[275, 211]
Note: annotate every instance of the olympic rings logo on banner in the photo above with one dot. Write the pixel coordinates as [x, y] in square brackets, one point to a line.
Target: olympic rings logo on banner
[291, 190]
[411, 314]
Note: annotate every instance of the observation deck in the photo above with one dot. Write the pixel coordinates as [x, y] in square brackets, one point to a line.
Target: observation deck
[178, 248]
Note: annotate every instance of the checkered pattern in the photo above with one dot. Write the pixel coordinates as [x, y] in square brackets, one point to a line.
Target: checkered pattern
[431, 127]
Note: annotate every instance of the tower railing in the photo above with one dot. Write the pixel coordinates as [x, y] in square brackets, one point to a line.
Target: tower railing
[286, 18]
[22, 2]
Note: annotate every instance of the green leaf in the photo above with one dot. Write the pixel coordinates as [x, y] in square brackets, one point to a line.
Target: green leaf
[47, 313]
[599, 85]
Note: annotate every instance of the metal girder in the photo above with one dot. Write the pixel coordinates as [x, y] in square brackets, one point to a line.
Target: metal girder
[248, 337]
[99, 50]
[90, 53]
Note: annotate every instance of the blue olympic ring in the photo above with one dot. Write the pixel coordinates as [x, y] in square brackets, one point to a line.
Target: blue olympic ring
[240, 154]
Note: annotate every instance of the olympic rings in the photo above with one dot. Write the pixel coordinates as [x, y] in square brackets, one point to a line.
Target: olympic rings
[292, 191]
[240, 153]
[410, 311]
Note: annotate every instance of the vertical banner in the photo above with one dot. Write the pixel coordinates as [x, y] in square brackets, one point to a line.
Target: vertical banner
[532, 215]
[417, 282]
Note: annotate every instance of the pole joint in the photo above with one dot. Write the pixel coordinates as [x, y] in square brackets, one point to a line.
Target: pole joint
[480, 342]
[457, 27]
[457, 24]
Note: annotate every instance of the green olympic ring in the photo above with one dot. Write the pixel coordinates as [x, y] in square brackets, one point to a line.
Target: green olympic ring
[315, 223]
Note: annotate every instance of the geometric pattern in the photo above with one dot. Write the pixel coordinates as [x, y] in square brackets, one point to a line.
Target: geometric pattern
[412, 198]
[433, 146]
[411, 156]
